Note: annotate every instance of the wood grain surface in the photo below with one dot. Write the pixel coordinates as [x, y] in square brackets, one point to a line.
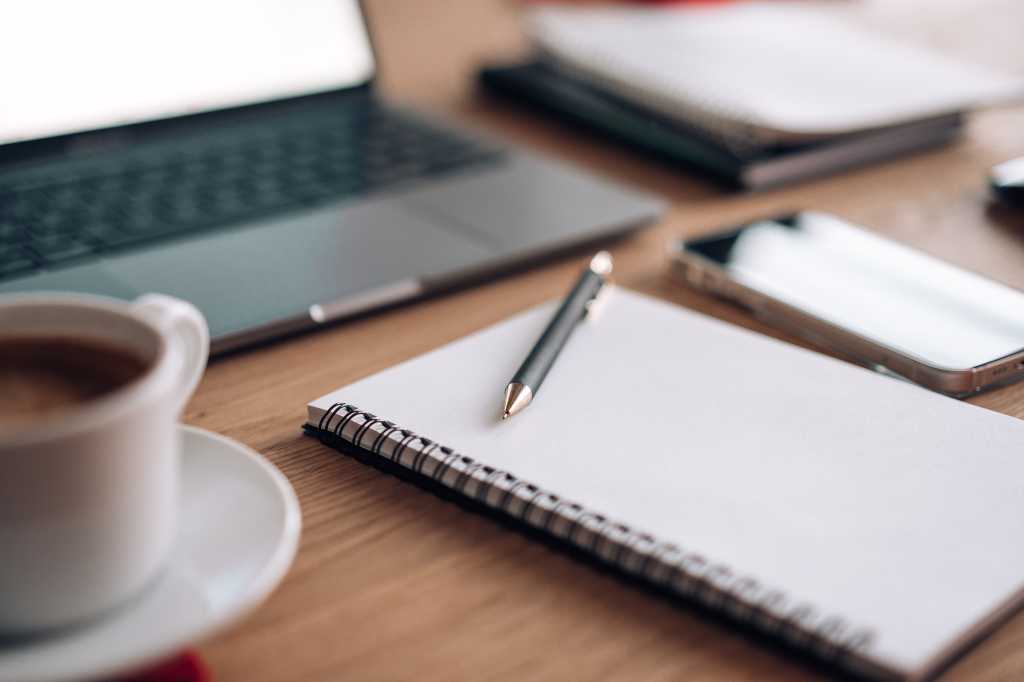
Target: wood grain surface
[393, 583]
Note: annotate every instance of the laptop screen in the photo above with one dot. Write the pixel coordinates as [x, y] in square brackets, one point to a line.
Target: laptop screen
[76, 66]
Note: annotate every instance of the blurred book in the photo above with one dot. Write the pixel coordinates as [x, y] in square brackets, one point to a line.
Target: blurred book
[736, 162]
[757, 94]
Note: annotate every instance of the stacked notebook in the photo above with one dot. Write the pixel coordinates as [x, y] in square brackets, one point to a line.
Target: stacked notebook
[865, 520]
[757, 94]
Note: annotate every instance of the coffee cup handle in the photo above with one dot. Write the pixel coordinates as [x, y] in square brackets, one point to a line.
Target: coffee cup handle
[182, 320]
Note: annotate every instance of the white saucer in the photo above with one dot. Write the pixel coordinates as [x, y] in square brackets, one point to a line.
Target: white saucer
[239, 529]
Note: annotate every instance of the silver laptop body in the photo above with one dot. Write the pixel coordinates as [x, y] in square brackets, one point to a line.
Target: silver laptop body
[235, 154]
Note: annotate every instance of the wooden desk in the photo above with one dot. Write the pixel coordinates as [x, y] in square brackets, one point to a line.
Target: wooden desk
[392, 583]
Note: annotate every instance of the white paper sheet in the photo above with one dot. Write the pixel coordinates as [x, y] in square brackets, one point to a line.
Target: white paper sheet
[898, 509]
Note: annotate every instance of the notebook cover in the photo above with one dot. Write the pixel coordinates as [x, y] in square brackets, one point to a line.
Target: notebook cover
[554, 93]
[739, 165]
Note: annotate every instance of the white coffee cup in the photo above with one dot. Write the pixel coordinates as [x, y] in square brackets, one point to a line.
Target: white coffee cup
[89, 495]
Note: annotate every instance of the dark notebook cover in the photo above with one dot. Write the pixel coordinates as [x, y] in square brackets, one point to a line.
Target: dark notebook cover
[734, 162]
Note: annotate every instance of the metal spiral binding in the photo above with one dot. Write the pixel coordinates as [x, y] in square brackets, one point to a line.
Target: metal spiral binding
[689, 574]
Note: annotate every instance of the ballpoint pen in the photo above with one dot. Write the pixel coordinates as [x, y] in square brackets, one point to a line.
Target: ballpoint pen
[527, 380]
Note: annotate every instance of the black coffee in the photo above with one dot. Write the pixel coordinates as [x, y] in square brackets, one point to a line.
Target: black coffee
[40, 374]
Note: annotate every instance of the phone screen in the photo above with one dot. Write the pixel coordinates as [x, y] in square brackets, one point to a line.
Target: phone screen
[888, 293]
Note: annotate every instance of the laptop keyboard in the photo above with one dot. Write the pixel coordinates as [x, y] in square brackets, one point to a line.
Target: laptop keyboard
[212, 182]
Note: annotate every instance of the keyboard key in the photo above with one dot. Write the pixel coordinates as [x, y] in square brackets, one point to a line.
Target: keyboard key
[25, 207]
[186, 208]
[10, 232]
[16, 261]
[142, 220]
[53, 223]
[154, 233]
[58, 249]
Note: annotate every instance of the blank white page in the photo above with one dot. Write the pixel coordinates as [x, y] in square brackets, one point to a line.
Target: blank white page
[896, 508]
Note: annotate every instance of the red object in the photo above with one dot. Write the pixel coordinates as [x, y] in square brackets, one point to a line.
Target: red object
[187, 667]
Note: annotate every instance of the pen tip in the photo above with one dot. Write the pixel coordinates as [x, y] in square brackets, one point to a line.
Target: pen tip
[517, 396]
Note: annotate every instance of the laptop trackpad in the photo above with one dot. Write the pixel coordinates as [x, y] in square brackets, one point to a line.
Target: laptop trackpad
[246, 278]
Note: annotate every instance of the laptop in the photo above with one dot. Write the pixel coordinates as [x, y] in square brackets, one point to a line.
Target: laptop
[236, 154]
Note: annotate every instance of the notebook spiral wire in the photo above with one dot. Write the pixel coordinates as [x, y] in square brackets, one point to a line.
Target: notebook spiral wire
[689, 574]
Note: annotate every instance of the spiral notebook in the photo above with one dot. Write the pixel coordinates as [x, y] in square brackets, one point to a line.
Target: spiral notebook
[860, 518]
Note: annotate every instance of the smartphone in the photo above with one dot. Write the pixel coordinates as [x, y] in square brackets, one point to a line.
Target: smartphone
[883, 304]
